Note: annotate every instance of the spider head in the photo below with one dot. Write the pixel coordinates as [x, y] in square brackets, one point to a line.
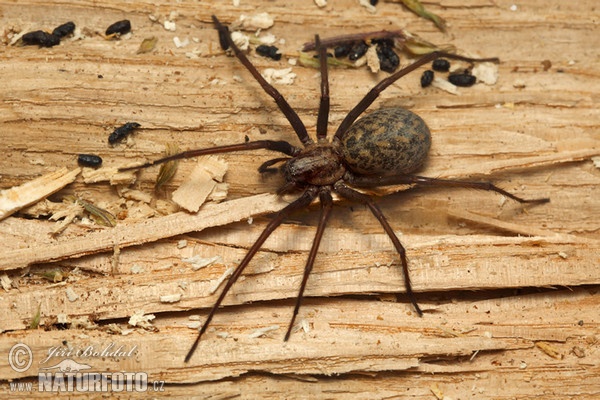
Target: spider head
[319, 165]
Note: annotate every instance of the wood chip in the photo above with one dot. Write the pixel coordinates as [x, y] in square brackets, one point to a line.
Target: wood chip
[18, 197]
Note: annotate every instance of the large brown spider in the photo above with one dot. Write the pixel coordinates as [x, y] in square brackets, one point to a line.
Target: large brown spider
[383, 148]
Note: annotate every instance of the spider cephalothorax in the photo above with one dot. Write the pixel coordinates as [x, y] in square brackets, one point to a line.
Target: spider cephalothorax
[383, 148]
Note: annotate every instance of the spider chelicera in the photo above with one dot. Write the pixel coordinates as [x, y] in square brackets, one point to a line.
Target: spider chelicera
[383, 148]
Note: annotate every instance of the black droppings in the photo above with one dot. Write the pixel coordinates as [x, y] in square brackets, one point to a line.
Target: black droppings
[426, 78]
[64, 30]
[119, 28]
[342, 50]
[40, 38]
[357, 51]
[388, 59]
[121, 132]
[441, 65]
[269, 51]
[463, 79]
[89, 160]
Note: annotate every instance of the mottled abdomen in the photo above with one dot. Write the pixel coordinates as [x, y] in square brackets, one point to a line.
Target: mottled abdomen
[386, 142]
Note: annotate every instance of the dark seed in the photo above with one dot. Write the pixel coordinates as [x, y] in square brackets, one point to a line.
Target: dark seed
[388, 59]
[120, 27]
[65, 29]
[358, 50]
[462, 79]
[441, 65]
[269, 51]
[426, 78]
[342, 50]
[121, 132]
[41, 38]
[373, 2]
[89, 160]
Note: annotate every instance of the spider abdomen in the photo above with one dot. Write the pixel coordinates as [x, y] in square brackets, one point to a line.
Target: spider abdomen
[389, 141]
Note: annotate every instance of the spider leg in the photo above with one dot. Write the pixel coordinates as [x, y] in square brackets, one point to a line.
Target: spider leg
[323, 116]
[364, 181]
[352, 194]
[266, 166]
[377, 89]
[284, 106]
[275, 145]
[326, 205]
[303, 201]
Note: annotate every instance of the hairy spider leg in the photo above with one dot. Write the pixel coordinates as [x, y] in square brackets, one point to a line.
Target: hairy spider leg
[351, 194]
[284, 106]
[381, 86]
[326, 206]
[303, 201]
[275, 145]
[362, 181]
[323, 116]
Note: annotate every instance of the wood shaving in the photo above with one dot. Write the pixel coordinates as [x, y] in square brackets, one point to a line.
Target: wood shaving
[170, 298]
[549, 349]
[444, 85]
[109, 174]
[373, 59]
[71, 295]
[367, 4]
[486, 72]
[254, 22]
[242, 41]
[5, 282]
[263, 331]
[139, 319]
[18, 197]
[222, 279]
[201, 182]
[283, 76]
[200, 262]
[170, 26]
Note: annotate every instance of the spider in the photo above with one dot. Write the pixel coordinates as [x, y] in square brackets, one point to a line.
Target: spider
[383, 148]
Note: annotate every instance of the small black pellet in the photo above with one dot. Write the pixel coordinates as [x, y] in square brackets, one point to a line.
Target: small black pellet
[269, 51]
[358, 50]
[64, 30]
[462, 79]
[342, 50]
[120, 27]
[121, 132]
[441, 65]
[388, 59]
[426, 78]
[89, 160]
[41, 38]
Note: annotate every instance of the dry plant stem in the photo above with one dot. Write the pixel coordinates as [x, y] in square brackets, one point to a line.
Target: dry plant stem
[301, 202]
[344, 39]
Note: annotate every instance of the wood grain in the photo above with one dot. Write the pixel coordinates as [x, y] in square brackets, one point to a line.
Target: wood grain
[498, 281]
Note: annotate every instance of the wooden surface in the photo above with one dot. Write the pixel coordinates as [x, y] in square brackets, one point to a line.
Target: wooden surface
[502, 285]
